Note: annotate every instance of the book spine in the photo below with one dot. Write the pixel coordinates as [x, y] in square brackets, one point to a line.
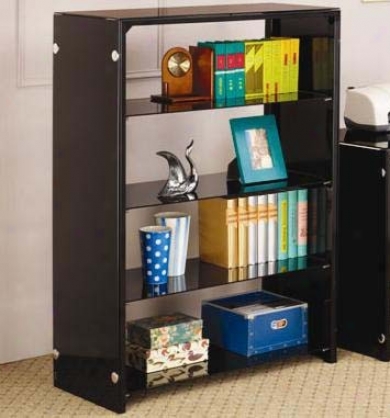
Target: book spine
[240, 69]
[242, 259]
[230, 73]
[302, 222]
[219, 69]
[292, 223]
[268, 68]
[312, 221]
[218, 232]
[285, 65]
[277, 65]
[262, 228]
[272, 227]
[259, 69]
[249, 69]
[282, 226]
[252, 229]
[294, 64]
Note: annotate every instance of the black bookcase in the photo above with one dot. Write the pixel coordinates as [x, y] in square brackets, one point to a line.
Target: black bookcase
[91, 198]
[364, 286]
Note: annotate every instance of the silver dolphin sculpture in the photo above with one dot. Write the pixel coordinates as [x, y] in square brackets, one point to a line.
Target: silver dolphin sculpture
[179, 182]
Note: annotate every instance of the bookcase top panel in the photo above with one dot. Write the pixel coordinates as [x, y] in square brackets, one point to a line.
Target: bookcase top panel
[197, 14]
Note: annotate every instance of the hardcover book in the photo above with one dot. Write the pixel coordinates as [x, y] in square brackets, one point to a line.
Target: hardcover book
[250, 90]
[302, 222]
[252, 229]
[219, 68]
[218, 232]
[230, 72]
[292, 223]
[282, 226]
[272, 227]
[262, 228]
[294, 64]
[164, 330]
[242, 211]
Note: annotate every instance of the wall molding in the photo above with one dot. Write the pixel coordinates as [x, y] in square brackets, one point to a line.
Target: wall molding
[25, 80]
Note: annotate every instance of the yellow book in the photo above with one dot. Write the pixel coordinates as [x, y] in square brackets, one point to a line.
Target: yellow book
[285, 57]
[250, 69]
[294, 64]
[218, 232]
[259, 69]
[269, 80]
[277, 65]
[242, 213]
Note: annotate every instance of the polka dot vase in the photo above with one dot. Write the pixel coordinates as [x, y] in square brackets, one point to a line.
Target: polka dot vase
[155, 244]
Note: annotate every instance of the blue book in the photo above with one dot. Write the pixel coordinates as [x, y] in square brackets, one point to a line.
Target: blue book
[302, 222]
[282, 226]
[292, 196]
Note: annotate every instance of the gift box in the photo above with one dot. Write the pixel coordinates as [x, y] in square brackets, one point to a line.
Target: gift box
[154, 360]
[164, 330]
[176, 374]
[254, 323]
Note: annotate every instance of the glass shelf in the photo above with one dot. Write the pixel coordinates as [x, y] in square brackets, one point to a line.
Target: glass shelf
[200, 275]
[220, 360]
[142, 107]
[145, 194]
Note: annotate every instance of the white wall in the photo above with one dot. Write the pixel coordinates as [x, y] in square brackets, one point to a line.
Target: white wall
[26, 148]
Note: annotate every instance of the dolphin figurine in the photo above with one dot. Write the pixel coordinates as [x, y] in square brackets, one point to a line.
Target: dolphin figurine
[179, 182]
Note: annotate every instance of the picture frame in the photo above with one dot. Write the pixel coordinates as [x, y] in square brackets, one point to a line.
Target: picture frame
[258, 149]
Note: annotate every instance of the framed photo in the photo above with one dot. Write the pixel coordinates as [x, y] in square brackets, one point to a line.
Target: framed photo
[258, 150]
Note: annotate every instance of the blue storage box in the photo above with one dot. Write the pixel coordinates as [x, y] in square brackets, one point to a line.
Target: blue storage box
[254, 323]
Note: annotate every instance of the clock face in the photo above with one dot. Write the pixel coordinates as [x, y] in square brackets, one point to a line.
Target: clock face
[178, 64]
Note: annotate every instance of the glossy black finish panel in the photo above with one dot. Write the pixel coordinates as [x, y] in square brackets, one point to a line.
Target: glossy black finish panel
[88, 210]
[363, 286]
[142, 107]
[309, 135]
[197, 14]
[315, 288]
[90, 378]
[200, 275]
[215, 185]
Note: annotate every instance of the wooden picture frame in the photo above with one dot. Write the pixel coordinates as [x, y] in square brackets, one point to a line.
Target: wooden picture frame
[258, 149]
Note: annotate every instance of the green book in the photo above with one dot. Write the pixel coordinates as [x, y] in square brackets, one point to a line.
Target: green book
[240, 69]
[230, 72]
[292, 223]
[282, 226]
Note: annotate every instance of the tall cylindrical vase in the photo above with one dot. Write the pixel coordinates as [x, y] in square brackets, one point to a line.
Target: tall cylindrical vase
[179, 223]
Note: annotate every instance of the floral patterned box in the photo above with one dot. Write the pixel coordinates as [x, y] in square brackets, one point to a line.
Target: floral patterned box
[164, 330]
[154, 360]
[176, 374]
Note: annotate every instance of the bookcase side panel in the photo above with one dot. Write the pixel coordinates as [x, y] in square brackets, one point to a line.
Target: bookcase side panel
[88, 209]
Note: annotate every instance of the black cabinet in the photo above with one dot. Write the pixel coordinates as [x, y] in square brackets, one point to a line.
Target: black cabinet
[364, 251]
[92, 202]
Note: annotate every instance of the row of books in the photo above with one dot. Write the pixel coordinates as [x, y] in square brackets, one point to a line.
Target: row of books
[252, 69]
[244, 231]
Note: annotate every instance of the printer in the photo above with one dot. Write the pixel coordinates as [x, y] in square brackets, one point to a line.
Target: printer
[368, 108]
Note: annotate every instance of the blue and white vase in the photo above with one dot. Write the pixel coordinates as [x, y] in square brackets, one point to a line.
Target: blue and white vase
[179, 222]
[155, 247]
